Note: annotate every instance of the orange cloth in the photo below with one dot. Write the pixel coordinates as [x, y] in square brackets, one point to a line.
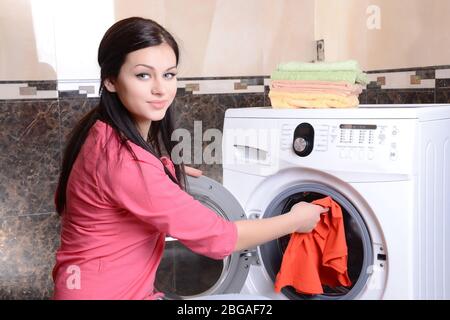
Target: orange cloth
[318, 257]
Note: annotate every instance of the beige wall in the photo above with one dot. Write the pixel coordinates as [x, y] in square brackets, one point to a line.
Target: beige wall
[49, 39]
[412, 33]
[232, 37]
[27, 48]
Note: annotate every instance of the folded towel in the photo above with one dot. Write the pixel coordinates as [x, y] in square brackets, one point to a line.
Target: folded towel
[317, 91]
[287, 103]
[347, 76]
[349, 65]
[311, 100]
[351, 69]
[339, 88]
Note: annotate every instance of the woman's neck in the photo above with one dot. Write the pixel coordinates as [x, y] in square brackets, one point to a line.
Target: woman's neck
[144, 128]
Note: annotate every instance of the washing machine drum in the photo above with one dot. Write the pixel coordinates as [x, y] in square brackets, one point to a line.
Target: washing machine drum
[359, 244]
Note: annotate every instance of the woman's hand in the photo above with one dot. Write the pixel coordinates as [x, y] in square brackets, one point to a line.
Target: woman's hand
[192, 172]
[302, 218]
[307, 216]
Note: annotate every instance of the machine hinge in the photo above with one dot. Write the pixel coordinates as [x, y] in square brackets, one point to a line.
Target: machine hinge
[254, 214]
[250, 256]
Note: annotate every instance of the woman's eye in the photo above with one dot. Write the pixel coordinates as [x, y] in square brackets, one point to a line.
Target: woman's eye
[170, 75]
[143, 75]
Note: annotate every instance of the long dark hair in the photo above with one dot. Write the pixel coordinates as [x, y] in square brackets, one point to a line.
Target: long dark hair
[123, 37]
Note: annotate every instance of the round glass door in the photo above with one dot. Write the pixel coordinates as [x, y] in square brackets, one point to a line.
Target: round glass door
[359, 244]
[184, 274]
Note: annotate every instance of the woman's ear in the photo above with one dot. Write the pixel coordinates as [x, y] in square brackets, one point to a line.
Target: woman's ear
[110, 85]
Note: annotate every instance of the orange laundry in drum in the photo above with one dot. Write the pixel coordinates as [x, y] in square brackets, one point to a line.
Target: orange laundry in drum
[317, 258]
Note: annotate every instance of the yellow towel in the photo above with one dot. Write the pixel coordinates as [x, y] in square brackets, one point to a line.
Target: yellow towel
[311, 100]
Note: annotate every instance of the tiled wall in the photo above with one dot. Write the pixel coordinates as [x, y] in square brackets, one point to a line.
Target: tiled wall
[35, 123]
[34, 131]
[412, 85]
[30, 156]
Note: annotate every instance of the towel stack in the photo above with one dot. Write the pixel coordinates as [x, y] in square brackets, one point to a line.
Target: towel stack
[317, 85]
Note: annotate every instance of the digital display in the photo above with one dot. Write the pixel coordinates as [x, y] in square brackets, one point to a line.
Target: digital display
[358, 126]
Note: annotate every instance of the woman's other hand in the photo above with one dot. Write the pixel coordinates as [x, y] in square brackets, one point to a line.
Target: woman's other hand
[192, 172]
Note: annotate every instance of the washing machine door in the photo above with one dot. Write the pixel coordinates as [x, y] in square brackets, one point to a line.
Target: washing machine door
[358, 241]
[184, 274]
[276, 196]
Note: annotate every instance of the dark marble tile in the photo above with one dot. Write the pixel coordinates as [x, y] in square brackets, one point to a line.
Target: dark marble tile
[198, 113]
[373, 85]
[443, 95]
[71, 94]
[43, 85]
[72, 110]
[426, 73]
[28, 245]
[30, 157]
[442, 67]
[255, 81]
[40, 85]
[371, 97]
[188, 108]
[442, 83]
[241, 100]
[363, 97]
[405, 96]
[267, 102]
[407, 69]
[181, 92]
[239, 78]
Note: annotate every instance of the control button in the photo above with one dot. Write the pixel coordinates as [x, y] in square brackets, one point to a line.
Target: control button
[393, 155]
[300, 144]
[394, 131]
[303, 139]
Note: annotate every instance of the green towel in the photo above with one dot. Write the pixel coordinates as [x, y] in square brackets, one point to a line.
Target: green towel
[347, 76]
[322, 71]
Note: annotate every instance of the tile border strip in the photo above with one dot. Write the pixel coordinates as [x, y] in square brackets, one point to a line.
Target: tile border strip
[28, 90]
[433, 77]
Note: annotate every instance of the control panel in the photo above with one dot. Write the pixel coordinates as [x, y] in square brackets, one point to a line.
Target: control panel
[375, 146]
[383, 142]
[360, 140]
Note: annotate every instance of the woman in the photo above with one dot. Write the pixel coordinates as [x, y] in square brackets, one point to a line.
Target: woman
[119, 198]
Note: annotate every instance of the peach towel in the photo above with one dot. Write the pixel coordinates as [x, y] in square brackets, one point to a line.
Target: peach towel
[300, 86]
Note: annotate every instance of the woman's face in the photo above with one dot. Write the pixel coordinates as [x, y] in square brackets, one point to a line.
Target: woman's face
[147, 84]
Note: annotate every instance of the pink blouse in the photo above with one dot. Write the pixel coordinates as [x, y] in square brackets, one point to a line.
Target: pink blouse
[118, 212]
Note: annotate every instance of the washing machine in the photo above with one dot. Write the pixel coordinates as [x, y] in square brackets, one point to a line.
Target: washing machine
[388, 167]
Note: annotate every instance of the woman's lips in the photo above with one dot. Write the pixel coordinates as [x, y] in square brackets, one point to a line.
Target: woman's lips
[158, 104]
